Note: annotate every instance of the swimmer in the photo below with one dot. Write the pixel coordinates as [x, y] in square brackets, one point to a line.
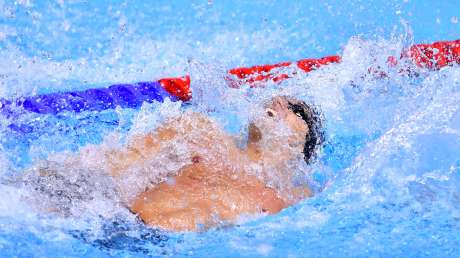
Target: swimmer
[189, 174]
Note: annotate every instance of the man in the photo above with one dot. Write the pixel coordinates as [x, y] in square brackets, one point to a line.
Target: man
[189, 174]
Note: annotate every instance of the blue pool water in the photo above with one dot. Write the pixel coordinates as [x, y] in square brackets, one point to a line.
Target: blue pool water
[388, 178]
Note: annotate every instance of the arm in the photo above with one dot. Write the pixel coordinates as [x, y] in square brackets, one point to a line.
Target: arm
[138, 149]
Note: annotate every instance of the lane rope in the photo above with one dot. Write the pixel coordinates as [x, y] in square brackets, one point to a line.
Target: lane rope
[427, 56]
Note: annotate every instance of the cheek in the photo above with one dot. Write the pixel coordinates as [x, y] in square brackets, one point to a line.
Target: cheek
[296, 141]
[297, 125]
[297, 137]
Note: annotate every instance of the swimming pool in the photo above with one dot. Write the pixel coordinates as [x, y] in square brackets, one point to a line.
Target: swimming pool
[389, 174]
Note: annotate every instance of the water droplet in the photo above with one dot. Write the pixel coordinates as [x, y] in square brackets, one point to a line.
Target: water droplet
[66, 25]
[454, 19]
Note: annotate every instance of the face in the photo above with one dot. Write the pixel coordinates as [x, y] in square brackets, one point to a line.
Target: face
[277, 111]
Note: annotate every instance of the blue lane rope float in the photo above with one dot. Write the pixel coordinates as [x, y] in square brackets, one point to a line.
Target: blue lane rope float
[123, 95]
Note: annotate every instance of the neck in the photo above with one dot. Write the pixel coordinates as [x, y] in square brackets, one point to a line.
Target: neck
[254, 151]
[272, 167]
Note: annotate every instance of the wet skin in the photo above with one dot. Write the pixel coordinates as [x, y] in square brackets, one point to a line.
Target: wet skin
[214, 187]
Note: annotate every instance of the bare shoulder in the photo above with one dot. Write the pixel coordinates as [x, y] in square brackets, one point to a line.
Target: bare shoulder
[185, 123]
[190, 120]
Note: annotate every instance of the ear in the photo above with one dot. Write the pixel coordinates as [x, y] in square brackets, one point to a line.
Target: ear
[254, 135]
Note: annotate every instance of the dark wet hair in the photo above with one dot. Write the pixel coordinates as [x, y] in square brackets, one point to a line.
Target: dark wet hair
[315, 136]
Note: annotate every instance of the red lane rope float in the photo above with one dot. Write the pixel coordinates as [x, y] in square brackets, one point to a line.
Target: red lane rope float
[436, 55]
[429, 56]
[264, 72]
[178, 87]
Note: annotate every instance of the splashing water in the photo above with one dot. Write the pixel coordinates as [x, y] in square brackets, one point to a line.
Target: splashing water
[387, 180]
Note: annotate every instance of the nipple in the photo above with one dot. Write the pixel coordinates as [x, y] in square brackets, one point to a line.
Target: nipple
[196, 159]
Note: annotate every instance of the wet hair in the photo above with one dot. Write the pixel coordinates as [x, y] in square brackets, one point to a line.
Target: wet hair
[315, 136]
